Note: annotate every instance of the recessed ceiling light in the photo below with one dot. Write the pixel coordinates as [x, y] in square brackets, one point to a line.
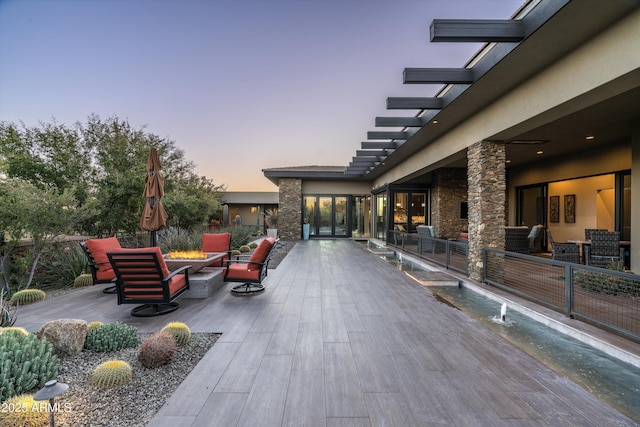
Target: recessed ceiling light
[539, 152]
[590, 137]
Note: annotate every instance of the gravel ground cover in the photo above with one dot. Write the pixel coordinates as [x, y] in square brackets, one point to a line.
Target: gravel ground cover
[133, 404]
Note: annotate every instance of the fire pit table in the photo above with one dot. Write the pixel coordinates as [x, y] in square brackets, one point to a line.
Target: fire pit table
[176, 261]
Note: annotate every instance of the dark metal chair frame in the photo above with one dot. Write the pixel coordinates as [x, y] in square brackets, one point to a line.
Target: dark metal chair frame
[93, 267]
[568, 252]
[139, 280]
[250, 285]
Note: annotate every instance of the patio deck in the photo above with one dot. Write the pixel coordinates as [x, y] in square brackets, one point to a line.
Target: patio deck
[342, 338]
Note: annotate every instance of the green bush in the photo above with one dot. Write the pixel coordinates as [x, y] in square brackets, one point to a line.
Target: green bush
[26, 362]
[7, 311]
[60, 267]
[111, 337]
[176, 239]
[608, 284]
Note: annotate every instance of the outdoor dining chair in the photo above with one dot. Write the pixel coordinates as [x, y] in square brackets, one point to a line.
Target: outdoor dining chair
[604, 249]
[568, 252]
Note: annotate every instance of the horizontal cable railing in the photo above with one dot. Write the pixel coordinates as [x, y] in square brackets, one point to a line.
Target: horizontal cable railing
[607, 298]
[449, 253]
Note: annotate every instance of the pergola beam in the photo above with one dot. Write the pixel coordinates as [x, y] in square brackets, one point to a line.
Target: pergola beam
[411, 103]
[376, 145]
[371, 153]
[399, 122]
[476, 30]
[438, 75]
[381, 134]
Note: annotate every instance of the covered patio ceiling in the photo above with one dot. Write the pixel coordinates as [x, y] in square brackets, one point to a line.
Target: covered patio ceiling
[498, 67]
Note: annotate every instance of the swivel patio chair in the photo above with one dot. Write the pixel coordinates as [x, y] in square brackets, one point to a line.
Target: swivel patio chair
[252, 271]
[568, 252]
[142, 277]
[99, 265]
[218, 242]
[425, 238]
[604, 249]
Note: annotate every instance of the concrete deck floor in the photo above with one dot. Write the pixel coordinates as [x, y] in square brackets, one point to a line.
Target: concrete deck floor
[341, 338]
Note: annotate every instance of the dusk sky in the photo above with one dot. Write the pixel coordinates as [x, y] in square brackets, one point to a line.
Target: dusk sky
[239, 85]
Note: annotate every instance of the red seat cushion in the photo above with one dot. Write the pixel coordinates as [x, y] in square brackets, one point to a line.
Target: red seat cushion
[240, 271]
[260, 253]
[98, 249]
[220, 242]
[464, 235]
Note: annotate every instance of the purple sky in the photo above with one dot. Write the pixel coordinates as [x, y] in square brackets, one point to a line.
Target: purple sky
[239, 85]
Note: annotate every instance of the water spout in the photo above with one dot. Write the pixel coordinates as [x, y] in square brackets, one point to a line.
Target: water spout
[503, 312]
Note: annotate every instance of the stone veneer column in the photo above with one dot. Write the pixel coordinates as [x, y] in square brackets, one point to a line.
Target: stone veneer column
[290, 209]
[487, 197]
[448, 190]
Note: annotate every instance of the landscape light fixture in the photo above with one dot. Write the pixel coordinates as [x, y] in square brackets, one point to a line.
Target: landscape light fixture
[50, 391]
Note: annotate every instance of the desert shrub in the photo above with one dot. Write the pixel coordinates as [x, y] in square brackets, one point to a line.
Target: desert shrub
[608, 284]
[112, 373]
[157, 349]
[7, 311]
[26, 363]
[60, 267]
[111, 337]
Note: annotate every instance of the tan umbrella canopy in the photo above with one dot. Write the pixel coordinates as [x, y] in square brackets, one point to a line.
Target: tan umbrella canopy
[154, 217]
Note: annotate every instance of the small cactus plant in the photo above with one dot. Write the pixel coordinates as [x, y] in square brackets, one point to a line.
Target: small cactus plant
[111, 337]
[27, 296]
[83, 280]
[236, 252]
[23, 411]
[93, 325]
[158, 349]
[112, 373]
[180, 332]
[244, 248]
[17, 329]
[26, 362]
[253, 245]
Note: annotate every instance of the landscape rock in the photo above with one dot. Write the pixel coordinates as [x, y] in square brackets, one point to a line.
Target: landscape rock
[66, 335]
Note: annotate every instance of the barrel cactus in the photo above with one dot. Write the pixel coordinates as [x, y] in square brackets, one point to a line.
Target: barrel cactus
[112, 373]
[244, 248]
[180, 332]
[23, 411]
[14, 329]
[27, 296]
[253, 245]
[83, 280]
[93, 325]
[236, 252]
[157, 350]
[26, 362]
[111, 337]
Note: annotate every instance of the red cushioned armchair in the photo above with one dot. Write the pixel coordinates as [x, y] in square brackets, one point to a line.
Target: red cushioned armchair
[142, 277]
[101, 270]
[252, 271]
[219, 242]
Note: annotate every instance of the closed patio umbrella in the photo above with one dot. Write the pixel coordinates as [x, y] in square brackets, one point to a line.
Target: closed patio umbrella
[154, 217]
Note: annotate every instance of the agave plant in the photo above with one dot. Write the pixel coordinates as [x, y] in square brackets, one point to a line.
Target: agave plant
[7, 312]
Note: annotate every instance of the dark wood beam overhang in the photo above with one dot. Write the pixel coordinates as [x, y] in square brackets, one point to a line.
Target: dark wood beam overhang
[476, 30]
[438, 75]
[387, 135]
[357, 173]
[372, 153]
[374, 145]
[399, 122]
[410, 103]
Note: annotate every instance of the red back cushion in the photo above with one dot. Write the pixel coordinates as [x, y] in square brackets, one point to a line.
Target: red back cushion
[216, 242]
[260, 253]
[98, 249]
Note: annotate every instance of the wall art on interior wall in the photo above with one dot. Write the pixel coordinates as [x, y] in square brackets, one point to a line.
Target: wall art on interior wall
[570, 208]
[554, 208]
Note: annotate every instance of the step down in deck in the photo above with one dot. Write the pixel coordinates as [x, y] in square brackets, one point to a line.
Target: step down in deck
[433, 278]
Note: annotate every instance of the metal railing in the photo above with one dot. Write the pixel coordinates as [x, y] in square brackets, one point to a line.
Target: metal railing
[450, 254]
[607, 298]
